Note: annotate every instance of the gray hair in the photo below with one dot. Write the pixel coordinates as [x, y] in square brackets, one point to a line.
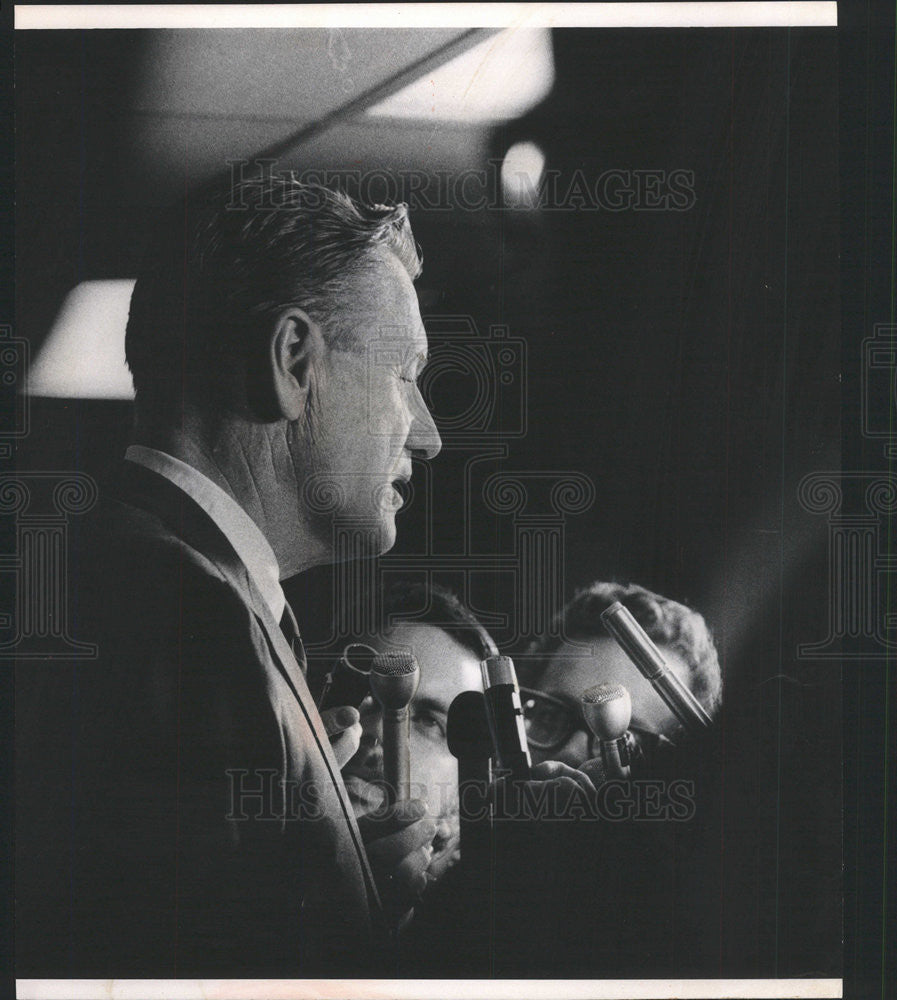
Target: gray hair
[223, 264]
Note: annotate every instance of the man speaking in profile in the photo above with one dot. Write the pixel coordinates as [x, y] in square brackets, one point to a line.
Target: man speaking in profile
[275, 343]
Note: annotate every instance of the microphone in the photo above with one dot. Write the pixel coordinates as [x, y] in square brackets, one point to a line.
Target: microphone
[505, 714]
[470, 742]
[637, 645]
[607, 709]
[347, 682]
[394, 679]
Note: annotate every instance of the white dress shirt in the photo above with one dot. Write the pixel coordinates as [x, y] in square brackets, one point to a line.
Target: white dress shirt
[237, 526]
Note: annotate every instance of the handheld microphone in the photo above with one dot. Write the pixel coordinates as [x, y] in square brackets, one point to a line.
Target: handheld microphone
[470, 742]
[347, 682]
[505, 714]
[637, 645]
[607, 709]
[394, 679]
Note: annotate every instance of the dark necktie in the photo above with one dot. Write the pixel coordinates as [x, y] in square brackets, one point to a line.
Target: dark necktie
[290, 629]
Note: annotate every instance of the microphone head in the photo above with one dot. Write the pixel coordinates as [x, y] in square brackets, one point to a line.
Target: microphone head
[467, 727]
[394, 678]
[607, 709]
[498, 670]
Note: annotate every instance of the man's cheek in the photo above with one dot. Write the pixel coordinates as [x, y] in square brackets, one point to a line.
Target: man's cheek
[422, 763]
[444, 783]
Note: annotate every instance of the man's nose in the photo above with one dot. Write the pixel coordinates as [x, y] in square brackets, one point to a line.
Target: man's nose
[423, 438]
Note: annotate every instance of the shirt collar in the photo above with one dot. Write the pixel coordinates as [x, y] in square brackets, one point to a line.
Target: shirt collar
[236, 525]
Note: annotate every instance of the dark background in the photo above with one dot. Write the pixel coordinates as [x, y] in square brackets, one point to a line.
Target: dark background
[688, 363]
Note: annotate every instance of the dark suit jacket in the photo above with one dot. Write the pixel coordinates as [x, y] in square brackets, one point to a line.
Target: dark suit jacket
[185, 815]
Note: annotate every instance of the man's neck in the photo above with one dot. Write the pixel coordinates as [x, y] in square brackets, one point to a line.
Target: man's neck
[240, 459]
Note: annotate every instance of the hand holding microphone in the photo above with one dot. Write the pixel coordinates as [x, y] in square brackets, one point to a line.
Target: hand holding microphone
[398, 837]
[398, 840]
[394, 679]
[511, 751]
[607, 709]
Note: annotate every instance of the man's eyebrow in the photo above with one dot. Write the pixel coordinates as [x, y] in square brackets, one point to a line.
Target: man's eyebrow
[430, 704]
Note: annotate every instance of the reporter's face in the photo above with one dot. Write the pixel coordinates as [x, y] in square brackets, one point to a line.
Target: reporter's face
[573, 668]
[446, 669]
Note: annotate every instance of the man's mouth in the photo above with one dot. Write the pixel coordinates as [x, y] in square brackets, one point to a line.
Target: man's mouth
[402, 486]
[365, 795]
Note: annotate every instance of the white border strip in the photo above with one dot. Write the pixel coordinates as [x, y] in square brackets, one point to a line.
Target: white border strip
[427, 989]
[816, 13]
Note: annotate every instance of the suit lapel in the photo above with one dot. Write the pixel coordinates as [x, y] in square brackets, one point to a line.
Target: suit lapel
[287, 662]
[283, 655]
[141, 487]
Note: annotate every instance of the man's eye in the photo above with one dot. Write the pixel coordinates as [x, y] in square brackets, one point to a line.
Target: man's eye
[545, 715]
[429, 725]
[406, 378]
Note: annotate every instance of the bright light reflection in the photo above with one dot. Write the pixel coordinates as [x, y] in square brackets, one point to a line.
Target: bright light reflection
[84, 353]
[497, 80]
[521, 172]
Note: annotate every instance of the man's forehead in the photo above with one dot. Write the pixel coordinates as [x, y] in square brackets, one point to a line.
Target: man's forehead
[444, 661]
[417, 333]
[594, 657]
[395, 315]
[393, 278]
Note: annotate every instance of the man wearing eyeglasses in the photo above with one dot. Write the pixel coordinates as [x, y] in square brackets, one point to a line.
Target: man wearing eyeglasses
[558, 670]
[632, 880]
[454, 929]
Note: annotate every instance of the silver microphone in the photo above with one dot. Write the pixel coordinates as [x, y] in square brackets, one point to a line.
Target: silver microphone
[607, 709]
[394, 680]
[637, 645]
[506, 716]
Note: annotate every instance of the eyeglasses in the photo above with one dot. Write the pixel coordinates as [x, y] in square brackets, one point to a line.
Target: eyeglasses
[550, 722]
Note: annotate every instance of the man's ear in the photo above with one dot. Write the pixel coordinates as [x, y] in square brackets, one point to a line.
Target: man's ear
[295, 344]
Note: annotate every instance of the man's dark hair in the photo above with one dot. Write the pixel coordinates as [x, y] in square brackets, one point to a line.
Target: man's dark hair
[407, 603]
[223, 262]
[667, 622]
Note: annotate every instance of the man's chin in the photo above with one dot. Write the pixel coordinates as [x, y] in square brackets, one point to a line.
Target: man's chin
[387, 534]
[388, 528]
[364, 541]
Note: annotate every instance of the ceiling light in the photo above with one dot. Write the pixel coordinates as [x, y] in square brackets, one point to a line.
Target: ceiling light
[521, 172]
[84, 353]
[498, 80]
